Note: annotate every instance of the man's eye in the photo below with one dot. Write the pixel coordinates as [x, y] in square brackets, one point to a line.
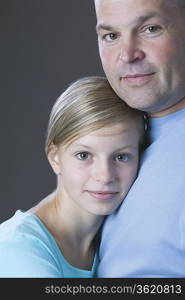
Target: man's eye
[122, 157]
[109, 37]
[82, 155]
[152, 30]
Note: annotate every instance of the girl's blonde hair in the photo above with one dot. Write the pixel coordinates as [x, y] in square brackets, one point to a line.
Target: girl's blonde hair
[86, 105]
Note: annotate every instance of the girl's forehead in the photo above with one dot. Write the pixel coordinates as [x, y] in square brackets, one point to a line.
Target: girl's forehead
[116, 130]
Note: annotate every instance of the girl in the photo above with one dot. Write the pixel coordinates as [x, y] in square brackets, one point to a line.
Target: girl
[93, 144]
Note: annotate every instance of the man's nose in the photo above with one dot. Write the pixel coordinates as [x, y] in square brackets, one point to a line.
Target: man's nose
[130, 50]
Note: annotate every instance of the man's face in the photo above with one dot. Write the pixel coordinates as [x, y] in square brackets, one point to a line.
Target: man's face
[142, 48]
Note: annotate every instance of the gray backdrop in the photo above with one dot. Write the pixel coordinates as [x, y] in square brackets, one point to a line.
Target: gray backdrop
[45, 44]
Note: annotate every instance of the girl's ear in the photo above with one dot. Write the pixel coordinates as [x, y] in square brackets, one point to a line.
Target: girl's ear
[53, 158]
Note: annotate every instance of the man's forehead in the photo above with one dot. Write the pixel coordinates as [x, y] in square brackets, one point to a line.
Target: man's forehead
[112, 7]
[127, 9]
[115, 14]
[171, 2]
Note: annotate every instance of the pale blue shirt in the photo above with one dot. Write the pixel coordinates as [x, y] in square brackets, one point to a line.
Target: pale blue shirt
[146, 236]
[27, 249]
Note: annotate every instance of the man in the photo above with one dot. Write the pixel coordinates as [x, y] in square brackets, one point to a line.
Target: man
[142, 49]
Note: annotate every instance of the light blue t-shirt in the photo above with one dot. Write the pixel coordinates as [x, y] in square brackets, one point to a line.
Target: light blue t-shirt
[27, 249]
[146, 236]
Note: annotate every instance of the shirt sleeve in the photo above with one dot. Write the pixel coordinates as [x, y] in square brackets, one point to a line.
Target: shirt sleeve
[26, 256]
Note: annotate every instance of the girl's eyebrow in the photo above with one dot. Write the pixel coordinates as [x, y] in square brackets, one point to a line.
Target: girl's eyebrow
[82, 145]
[116, 150]
[126, 147]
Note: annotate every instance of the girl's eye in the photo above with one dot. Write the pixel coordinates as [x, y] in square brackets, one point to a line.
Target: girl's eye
[122, 157]
[82, 155]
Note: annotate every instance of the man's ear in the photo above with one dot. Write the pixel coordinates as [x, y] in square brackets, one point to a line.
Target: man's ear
[53, 158]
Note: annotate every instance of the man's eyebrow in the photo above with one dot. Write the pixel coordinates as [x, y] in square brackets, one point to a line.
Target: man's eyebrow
[145, 18]
[140, 19]
[104, 27]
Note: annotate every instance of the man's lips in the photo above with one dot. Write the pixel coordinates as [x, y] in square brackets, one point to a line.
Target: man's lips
[137, 78]
[137, 75]
[106, 195]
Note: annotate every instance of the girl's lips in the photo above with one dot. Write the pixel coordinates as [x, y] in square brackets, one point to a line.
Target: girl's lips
[102, 195]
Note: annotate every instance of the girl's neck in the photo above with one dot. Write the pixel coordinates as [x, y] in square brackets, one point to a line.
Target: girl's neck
[76, 235]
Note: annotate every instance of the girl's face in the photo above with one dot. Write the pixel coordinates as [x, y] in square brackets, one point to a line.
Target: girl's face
[96, 171]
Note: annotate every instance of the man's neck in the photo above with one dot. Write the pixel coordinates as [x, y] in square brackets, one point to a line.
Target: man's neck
[178, 106]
